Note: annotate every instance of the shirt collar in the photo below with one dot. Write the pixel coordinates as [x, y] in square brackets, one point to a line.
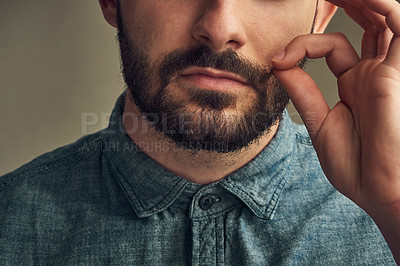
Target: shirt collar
[150, 188]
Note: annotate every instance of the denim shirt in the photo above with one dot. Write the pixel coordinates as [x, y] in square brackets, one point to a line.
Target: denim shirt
[101, 201]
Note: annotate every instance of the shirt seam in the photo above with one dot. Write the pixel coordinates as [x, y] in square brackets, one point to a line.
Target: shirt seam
[45, 167]
[304, 140]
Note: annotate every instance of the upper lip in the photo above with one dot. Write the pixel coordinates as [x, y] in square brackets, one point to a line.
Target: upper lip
[212, 72]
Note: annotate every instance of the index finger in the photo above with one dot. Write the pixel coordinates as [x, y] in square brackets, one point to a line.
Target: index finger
[338, 3]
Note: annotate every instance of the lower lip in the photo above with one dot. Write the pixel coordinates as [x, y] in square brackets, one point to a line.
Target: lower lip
[213, 83]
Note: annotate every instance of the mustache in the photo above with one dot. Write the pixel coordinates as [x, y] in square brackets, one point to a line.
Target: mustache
[255, 74]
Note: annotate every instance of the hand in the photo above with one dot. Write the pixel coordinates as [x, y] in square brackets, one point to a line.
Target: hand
[357, 141]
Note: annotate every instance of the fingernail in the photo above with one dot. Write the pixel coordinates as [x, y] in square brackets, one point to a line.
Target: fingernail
[279, 56]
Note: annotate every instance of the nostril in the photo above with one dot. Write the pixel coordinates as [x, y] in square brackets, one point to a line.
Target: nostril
[205, 38]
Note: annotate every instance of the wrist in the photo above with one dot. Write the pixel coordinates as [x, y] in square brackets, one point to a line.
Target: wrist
[388, 221]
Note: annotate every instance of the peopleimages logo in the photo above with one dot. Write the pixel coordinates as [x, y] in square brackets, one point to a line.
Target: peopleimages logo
[91, 122]
[151, 146]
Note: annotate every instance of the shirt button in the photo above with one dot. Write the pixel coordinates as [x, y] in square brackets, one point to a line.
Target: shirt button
[207, 201]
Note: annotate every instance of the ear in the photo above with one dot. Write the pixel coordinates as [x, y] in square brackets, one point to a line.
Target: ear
[325, 12]
[109, 8]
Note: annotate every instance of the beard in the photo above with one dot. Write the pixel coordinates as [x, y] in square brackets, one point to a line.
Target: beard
[211, 125]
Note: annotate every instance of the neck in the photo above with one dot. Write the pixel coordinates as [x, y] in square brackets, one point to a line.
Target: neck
[202, 167]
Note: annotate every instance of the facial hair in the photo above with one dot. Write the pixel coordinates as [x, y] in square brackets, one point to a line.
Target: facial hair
[209, 127]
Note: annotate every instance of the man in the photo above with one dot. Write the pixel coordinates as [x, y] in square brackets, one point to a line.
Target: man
[200, 163]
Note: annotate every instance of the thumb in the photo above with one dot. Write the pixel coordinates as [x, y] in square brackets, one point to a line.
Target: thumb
[306, 97]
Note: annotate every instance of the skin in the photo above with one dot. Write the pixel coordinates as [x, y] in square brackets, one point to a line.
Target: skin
[251, 28]
[357, 141]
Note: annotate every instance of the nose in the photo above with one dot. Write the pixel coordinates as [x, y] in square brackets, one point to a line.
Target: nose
[219, 26]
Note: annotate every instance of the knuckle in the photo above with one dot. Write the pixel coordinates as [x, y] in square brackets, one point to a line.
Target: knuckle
[340, 39]
[301, 38]
[340, 36]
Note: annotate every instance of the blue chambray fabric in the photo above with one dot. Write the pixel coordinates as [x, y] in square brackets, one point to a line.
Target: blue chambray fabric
[101, 201]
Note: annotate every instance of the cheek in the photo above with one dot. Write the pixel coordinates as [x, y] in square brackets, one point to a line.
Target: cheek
[156, 32]
[270, 32]
[266, 43]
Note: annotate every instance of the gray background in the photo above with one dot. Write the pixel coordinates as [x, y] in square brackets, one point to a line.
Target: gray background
[59, 62]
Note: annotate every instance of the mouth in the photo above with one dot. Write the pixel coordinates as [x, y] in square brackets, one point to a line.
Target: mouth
[213, 79]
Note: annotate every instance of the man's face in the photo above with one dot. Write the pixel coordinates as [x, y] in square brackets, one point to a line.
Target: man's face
[200, 71]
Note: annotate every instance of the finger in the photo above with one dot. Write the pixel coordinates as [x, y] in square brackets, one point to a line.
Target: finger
[375, 43]
[369, 45]
[384, 40]
[339, 53]
[377, 36]
[364, 17]
[393, 55]
[389, 9]
[306, 97]
[339, 3]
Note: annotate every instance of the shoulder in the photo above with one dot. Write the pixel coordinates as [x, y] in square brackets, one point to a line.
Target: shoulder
[79, 154]
[45, 200]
